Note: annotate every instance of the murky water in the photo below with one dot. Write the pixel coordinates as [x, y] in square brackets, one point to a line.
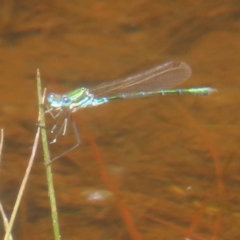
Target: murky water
[156, 168]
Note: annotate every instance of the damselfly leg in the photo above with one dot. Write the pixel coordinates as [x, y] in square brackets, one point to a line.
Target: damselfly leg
[63, 117]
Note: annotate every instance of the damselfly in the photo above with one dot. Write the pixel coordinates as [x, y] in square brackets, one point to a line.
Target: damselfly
[156, 81]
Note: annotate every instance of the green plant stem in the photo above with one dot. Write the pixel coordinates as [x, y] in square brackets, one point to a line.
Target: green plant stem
[47, 161]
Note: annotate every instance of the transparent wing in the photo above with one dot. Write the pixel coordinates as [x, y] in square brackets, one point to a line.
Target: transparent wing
[165, 76]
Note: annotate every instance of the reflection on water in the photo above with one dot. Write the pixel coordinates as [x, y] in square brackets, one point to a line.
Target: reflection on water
[159, 168]
[94, 196]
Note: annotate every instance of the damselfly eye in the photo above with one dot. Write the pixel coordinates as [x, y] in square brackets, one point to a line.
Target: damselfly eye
[66, 101]
[50, 97]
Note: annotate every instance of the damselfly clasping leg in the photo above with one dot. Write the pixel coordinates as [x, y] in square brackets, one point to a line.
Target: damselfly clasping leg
[62, 116]
[156, 81]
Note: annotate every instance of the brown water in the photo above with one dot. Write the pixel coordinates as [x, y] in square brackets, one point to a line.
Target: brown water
[157, 168]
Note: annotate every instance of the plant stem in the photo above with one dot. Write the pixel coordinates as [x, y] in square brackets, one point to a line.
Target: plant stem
[47, 161]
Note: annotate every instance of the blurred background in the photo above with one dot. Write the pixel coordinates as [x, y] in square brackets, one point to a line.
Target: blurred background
[152, 168]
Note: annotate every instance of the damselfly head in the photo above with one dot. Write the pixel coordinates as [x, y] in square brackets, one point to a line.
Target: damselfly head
[58, 101]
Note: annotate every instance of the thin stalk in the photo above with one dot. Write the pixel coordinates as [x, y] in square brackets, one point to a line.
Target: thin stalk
[23, 186]
[4, 216]
[47, 161]
[1, 143]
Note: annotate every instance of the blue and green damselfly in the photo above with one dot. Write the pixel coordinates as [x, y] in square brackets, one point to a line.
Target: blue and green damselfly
[156, 81]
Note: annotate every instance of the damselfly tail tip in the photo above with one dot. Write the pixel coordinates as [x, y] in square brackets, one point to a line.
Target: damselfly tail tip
[212, 90]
